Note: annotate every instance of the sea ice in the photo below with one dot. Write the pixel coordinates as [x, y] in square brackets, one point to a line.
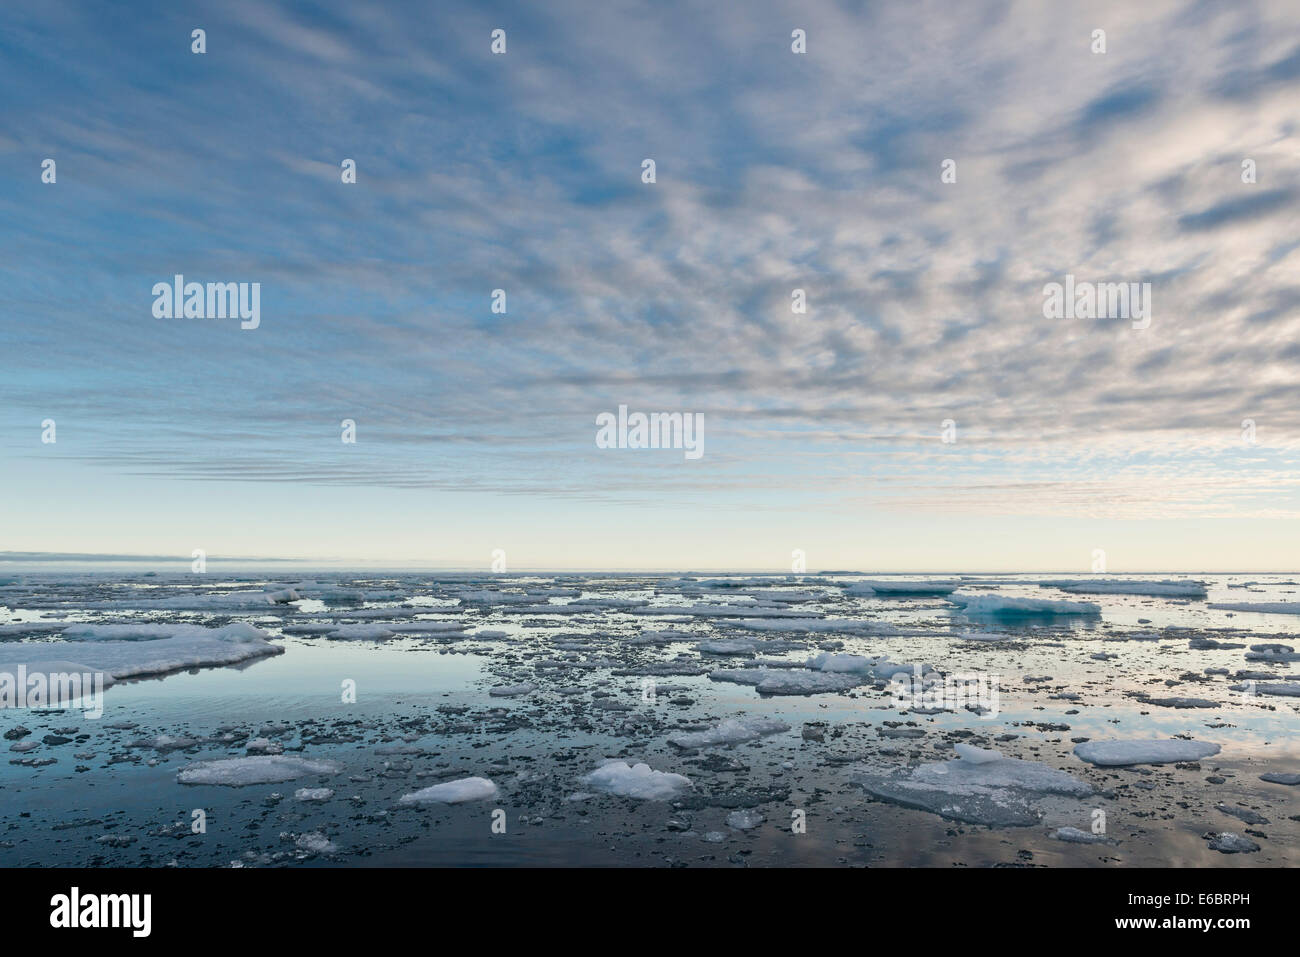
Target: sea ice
[730, 731]
[1118, 753]
[454, 792]
[1005, 607]
[1156, 589]
[186, 646]
[1259, 607]
[979, 786]
[636, 781]
[261, 769]
[512, 691]
[1227, 842]
[1073, 835]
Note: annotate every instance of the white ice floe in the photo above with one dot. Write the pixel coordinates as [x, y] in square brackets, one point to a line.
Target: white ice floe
[842, 663]
[909, 588]
[979, 786]
[363, 632]
[787, 681]
[313, 794]
[636, 781]
[185, 646]
[1158, 751]
[1287, 689]
[512, 691]
[1259, 607]
[430, 627]
[1227, 842]
[1005, 607]
[261, 769]
[1073, 835]
[745, 820]
[726, 647]
[1107, 586]
[202, 601]
[454, 792]
[723, 611]
[730, 731]
[315, 843]
[832, 626]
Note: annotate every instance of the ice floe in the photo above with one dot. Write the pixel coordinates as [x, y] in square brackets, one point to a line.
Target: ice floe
[979, 786]
[454, 792]
[1117, 753]
[185, 646]
[1155, 589]
[730, 731]
[636, 781]
[260, 769]
[1003, 606]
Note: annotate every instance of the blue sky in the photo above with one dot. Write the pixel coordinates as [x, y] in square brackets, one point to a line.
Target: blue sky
[775, 171]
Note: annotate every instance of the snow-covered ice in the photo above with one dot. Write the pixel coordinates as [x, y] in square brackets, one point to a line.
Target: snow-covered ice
[259, 769]
[1123, 752]
[730, 731]
[636, 781]
[454, 792]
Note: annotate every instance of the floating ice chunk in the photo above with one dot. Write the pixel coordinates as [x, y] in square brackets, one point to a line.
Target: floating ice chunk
[261, 769]
[910, 588]
[727, 647]
[1227, 842]
[313, 794]
[364, 632]
[1118, 753]
[745, 820]
[730, 731]
[315, 843]
[1280, 777]
[798, 682]
[1002, 606]
[237, 631]
[974, 755]
[722, 611]
[1286, 689]
[636, 781]
[185, 646]
[454, 792]
[1073, 835]
[512, 691]
[832, 626]
[666, 637]
[842, 663]
[1259, 607]
[977, 788]
[422, 626]
[983, 636]
[1105, 586]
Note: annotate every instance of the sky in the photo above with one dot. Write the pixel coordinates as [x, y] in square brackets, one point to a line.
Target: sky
[824, 431]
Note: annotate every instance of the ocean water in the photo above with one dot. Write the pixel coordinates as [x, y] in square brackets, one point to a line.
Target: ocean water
[611, 667]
